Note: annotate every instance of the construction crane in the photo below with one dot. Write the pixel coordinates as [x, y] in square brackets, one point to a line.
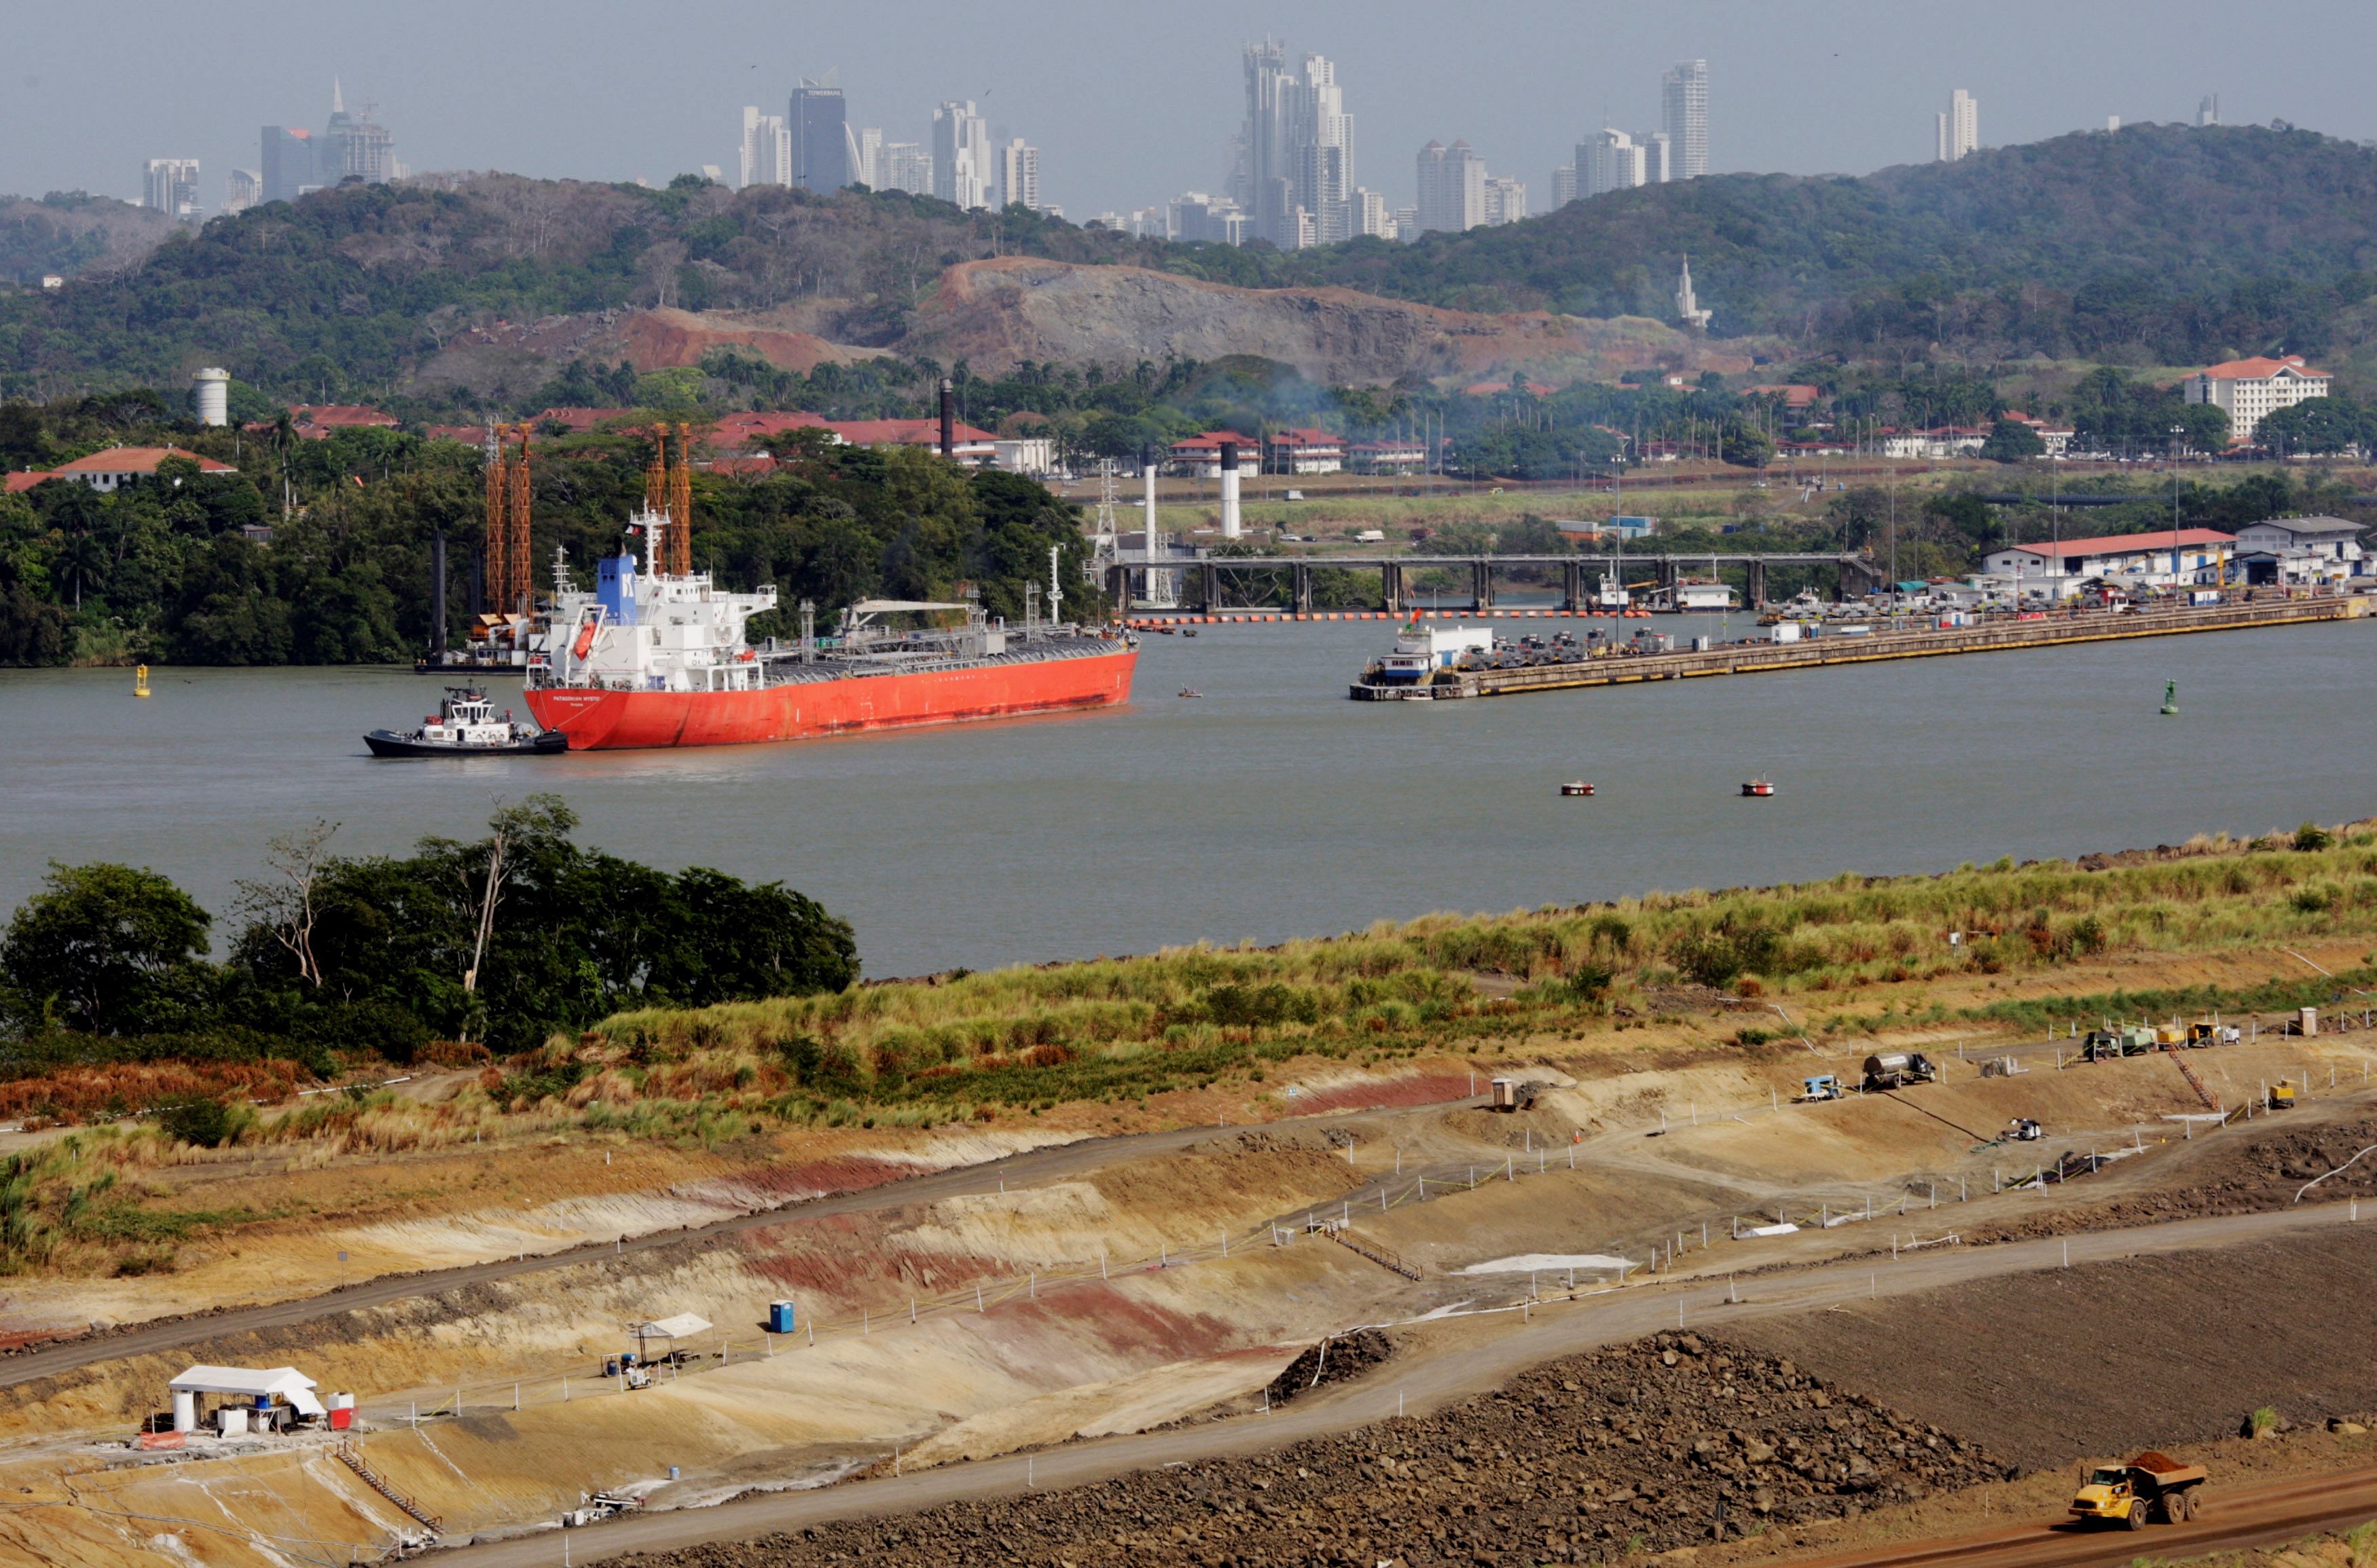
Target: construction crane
[681, 505]
[494, 537]
[515, 597]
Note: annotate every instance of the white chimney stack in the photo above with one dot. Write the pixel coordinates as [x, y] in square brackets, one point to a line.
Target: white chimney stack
[1229, 489]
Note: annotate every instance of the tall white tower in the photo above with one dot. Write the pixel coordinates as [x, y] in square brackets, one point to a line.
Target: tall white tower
[213, 389]
[1683, 94]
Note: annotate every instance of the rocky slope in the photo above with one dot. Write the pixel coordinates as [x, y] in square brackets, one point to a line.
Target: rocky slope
[995, 312]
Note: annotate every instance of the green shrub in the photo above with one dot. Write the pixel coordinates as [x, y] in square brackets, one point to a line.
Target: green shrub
[205, 1124]
[2311, 836]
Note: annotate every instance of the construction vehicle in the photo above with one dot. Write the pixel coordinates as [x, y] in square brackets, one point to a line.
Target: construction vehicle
[1823, 1086]
[2151, 1485]
[2102, 1045]
[2023, 1129]
[1895, 1069]
[2282, 1096]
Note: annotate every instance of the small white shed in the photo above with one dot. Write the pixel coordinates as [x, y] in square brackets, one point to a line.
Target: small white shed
[241, 1382]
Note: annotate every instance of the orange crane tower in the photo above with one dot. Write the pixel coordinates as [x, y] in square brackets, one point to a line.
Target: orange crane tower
[681, 505]
[517, 597]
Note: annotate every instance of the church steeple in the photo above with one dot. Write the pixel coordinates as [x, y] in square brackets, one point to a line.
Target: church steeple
[1688, 307]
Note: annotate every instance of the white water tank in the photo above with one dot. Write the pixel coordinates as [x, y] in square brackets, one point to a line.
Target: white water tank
[214, 396]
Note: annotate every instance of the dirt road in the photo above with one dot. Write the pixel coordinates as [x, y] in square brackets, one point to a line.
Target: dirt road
[1424, 1381]
[2232, 1521]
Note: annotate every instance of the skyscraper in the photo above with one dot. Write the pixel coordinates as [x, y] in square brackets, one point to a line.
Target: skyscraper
[1563, 186]
[870, 159]
[354, 145]
[1451, 187]
[820, 127]
[1609, 161]
[1293, 164]
[1683, 94]
[1960, 127]
[242, 190]
[1018, 175]
[767, 156]
[288, 158]
[962, 171]
[1506, 200]
[906, 166]
[172, 185]
[1658, 157]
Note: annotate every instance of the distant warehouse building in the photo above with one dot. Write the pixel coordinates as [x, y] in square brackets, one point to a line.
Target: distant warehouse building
[2300, 549]
[2249, 389]
[2127, 560]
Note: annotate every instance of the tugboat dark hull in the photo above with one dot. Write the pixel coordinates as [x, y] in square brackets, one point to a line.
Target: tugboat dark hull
[388, 743]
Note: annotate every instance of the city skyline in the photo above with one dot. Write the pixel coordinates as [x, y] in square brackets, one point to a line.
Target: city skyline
[1105, 146]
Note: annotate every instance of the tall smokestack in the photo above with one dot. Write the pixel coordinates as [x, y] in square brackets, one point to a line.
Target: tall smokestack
[1147, 470]
[1229, 489]
[948, 419]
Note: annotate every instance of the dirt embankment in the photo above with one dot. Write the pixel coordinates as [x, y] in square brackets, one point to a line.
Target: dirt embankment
[2245, 1168]
[995, 313]
[1666, 1443]
[2151, 1351]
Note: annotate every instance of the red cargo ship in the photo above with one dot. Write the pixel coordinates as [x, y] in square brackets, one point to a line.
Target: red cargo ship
[661, 659]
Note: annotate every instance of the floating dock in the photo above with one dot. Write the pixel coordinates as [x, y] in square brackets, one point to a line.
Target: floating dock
[1832, 647]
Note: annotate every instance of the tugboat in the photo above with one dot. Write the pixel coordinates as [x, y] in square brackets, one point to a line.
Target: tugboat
[1576, 786]
[466, 726]
[1758, 786]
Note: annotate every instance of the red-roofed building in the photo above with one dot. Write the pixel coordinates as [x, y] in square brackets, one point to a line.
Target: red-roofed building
[2249, 390]
[315, 422]
[1388, 457]
[1795, 394]
[967, 444]
[582, 421]
[2153, 559]
[1306, 451]
[118, 466]
[1199, 456]
[738, 432]
[18, 483]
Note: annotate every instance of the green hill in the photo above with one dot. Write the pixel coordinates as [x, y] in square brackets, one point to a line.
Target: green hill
[2154, 245]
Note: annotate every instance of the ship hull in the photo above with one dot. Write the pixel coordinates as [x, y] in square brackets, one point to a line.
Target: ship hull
[600, 720]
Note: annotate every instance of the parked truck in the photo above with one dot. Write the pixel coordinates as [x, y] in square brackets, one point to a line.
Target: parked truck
[2153, 1485]
[1895, 1069]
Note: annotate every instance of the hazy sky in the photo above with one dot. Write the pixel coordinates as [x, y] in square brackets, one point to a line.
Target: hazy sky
[1132, 103]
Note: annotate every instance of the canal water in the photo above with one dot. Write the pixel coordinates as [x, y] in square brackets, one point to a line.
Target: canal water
[1269, 806]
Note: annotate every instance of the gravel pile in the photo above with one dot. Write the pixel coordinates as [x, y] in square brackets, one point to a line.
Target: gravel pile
[1670, 1441]
[1332, 1361]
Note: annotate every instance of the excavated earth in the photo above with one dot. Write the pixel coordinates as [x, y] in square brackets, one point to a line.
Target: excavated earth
[1670, 1441]
[2249, 1168]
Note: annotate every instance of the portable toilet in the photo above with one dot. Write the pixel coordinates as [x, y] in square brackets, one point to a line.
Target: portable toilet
[1506, 1094]
[781, 1317]
[343, 1412]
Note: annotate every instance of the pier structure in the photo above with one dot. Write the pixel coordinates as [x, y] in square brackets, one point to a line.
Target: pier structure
[1830, 646]
[1206, 581]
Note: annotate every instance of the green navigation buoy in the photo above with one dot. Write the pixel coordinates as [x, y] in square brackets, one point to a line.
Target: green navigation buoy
[2170, 696]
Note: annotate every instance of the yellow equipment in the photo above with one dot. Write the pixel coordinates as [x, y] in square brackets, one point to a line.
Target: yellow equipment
[2282, 1096]
[2149, 1485]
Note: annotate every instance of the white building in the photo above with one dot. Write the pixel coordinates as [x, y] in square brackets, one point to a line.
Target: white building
[2153, 559]
[1609, 161]
[1018, 175]
[1563, 186]
[242, 190]
[1683, 95]
[767, 153]
[1451, 187]
[1689, 310]
[869, 143]
[1506, 200]
[906, 166]
[2300, 549]
[1033, 455]
[2247, 390]
[172, 185]
[1373, 215]
[1196, 217]
[963, 172]
[1960, 127]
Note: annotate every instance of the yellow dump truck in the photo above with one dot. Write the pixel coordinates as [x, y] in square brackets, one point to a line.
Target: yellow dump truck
[2150, 1486]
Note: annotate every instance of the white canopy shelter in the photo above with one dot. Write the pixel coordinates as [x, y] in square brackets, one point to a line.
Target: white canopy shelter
[685, 1325]
[241, 1382]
